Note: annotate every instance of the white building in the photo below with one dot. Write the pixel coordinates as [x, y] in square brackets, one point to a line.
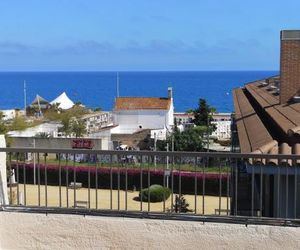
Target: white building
[223, 125]
[132, 114]
[50, 128]
[9, 114]
[96, 121]
[183, 118]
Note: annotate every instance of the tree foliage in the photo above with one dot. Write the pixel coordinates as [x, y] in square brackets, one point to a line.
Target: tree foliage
[203, 114]
[66, 125]
[43, 135]
[3, 127]
[187, 140]
[72, 126]
[18, 123]
[191, 139]
[78, 128]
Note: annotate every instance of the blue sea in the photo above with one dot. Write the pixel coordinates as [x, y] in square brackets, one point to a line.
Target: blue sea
[98, 89]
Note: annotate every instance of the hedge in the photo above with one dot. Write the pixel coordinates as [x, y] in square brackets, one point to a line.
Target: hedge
[155, 193]
[137, 179]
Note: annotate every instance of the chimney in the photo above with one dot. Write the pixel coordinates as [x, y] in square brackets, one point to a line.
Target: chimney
[289, 65]
[170, 92]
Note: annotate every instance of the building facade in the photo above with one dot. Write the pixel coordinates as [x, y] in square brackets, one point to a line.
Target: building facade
[132, 114]
[96, 121]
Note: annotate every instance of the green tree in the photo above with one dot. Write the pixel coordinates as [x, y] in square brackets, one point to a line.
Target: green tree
[18, 123]
[97, 109]
[187, 140]
[43, 135]
[66, 125]
[3, 127]
[202, 114]
[78, 128]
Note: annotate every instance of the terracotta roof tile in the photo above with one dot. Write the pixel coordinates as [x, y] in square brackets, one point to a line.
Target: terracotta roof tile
[257, 99]
[286, 116]
[251, 130]
[138, 103]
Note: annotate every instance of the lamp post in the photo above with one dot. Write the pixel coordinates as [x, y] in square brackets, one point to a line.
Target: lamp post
[167, 172]
[155, 148]
[34, 163]
[207, 131]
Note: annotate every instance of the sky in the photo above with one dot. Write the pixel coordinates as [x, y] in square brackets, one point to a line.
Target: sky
[140, 35]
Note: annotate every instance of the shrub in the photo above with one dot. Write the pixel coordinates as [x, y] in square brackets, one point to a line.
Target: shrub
[180, 205]
[156, 193]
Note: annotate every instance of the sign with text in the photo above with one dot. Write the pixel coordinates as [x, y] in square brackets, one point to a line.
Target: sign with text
[82, 144]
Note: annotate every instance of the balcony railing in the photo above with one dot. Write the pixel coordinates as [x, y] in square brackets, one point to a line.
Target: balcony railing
[243, 188]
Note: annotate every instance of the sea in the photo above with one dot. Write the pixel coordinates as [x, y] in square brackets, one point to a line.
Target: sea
[99, 89]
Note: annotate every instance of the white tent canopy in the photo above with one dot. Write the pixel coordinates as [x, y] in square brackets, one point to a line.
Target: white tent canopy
[63, 101]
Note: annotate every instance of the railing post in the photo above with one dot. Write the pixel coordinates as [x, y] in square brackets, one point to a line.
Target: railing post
[3, 174]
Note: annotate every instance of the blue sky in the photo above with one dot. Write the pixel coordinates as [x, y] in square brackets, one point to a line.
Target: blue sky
[143, 35]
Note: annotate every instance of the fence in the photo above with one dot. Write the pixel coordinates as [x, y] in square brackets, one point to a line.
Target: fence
[245, 188]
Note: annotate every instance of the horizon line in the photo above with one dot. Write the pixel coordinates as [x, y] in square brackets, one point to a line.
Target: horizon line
[115, 71]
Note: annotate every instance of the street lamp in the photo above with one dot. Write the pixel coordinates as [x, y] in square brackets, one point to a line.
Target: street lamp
[167, 172]
[155, 142]
[34, 162]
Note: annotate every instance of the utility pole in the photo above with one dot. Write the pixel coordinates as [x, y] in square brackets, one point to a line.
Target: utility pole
[25, 97]
[34, 167]
[207, 132]
[155, 149]
[118, 90]
[173, 148]
[167, 180]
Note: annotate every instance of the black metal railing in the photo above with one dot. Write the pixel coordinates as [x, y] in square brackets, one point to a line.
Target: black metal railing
[194, 185]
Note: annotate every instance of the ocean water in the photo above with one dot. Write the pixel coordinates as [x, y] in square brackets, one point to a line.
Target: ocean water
[98, 89]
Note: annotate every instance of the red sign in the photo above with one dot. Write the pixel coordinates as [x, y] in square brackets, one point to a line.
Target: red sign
[82, 143]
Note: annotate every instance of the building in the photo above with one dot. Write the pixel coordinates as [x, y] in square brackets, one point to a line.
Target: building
[132, 114]
[9, 114]
[221, 120]
[267, 121]
[49, 128]
[183, 117]
[96, 121]
[223, 126]
[39, 103]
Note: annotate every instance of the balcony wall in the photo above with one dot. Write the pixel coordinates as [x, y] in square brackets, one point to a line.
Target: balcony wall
[38, 231]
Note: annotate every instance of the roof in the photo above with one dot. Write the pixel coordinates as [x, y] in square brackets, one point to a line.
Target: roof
[183, 114]
[98, 113]
[39, 100]
[251, 130]
[264, 125]
[139, 103]
[64, 101]
[286, 116]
